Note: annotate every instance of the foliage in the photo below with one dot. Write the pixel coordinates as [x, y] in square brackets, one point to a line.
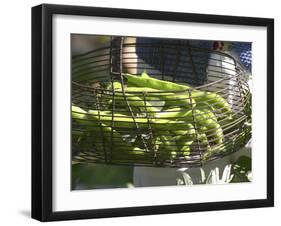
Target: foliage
[242, 170]
[91, 176]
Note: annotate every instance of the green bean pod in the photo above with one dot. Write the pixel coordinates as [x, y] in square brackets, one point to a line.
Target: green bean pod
[146, 81]
[202, 137]
[135, 101]
[167, 149]
[170, 98]
[209, 114]
[119, 120]
[126, 121]
[213, 99]
[189, 132]
[212, 126]
[174, 113]
[121, 150]
[184, 147]
[78, 113]
[114, 85]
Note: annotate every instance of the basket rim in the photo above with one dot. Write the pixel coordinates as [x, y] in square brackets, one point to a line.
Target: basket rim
[238, 74]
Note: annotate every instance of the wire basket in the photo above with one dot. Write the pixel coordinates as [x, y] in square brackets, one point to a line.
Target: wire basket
[118, 120]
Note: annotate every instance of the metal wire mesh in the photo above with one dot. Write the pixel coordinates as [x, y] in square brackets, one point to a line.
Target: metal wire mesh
[134, 126]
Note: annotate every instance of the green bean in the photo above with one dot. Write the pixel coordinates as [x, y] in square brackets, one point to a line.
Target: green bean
[83, 142]
[205, 124]
[202, 129]
[78, 113]
[174, 113]
[213, 99]
[139, 90]
[182, 100]
[92, 125]
[135, 101]
[116, 85]
[217, 149]
[183, 145]
[209, 114]
[149, 82]
[122, 150]
[170, 125]
[230, 125]
[167, 148]
[119, 120]
[170, 98]
[202, 137]
[203, 120]
[189, 132]
[185, 148]
[126, 121]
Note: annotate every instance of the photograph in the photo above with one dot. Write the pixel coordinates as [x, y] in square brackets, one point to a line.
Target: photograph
[154, 111]
[141, 112]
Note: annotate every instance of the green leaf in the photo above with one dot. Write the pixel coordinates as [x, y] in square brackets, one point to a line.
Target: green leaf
[242, 169]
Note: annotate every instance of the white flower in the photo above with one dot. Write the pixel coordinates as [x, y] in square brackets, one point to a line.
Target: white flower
[214, 176]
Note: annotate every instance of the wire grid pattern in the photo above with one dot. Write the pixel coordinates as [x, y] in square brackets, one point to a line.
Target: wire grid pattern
[119, 129]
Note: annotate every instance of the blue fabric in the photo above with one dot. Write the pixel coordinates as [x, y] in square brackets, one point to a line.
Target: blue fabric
[176, 60]
[243, 51]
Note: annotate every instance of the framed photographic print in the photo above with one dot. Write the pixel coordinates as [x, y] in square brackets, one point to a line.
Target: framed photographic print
[146, 112]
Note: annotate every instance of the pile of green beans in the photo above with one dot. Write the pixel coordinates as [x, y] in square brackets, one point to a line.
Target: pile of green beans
[214, 100]
[101, 138]
[173, 116]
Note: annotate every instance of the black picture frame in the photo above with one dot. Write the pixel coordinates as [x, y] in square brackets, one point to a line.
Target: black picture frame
[42, 83]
